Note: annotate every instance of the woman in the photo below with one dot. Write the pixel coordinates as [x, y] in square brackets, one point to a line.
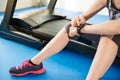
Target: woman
[107, 47]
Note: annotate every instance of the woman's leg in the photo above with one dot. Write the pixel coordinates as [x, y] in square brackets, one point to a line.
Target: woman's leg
[57, 44]
[54, 46]
[104, 57]
[34, 65]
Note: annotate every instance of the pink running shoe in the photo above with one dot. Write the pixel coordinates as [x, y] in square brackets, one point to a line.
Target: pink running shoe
[27, 68]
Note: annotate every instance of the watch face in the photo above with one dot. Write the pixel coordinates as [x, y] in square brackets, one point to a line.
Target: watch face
[79, 28]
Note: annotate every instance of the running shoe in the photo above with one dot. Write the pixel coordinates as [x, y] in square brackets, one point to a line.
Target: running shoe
[27, 68]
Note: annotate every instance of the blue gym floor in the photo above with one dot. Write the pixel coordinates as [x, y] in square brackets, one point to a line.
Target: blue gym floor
[63, 66]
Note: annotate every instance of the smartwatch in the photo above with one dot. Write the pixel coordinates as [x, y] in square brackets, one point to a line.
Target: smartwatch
[79, 28]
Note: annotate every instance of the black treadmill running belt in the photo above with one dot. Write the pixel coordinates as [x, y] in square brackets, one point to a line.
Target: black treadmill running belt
[43, 19]
[51, 28]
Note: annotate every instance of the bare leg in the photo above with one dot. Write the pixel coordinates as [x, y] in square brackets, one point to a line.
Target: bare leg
[104, 57]
[54, 46]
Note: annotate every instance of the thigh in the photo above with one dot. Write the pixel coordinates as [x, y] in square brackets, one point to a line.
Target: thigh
[115, 38]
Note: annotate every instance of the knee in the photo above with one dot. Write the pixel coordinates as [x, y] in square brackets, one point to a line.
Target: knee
[63, 33]
[67, 30]
[108, 41]
[105, 39]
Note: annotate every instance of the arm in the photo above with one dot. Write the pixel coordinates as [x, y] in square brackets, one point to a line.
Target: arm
[109, 27]
[77, 21]
[95, 8]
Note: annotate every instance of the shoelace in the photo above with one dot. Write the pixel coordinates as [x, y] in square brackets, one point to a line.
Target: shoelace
[25, 63]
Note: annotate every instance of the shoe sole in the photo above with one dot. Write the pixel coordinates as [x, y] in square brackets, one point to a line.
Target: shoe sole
[30, 72]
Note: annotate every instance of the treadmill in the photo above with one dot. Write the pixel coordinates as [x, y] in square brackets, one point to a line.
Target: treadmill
[39, 27]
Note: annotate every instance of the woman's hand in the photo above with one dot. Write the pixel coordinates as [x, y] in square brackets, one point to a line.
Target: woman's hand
[77, 21]
[73, 31]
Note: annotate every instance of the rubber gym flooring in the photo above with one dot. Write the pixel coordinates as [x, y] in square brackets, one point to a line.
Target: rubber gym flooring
[66, 65]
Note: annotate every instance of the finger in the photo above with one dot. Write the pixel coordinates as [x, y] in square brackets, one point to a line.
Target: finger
[78, 21]
[83, 20]
[72, 31]
[73, 22]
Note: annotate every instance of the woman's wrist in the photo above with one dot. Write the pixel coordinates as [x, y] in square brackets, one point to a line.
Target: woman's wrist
[79, 29]
[84, 18]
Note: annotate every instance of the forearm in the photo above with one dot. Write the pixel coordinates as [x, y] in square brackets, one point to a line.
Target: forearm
[92, 10]
[96, 7]
[110, 27]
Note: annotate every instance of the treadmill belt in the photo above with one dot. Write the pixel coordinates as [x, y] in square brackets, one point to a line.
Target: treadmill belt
[51, 28]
